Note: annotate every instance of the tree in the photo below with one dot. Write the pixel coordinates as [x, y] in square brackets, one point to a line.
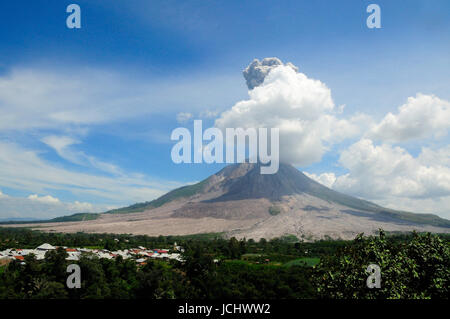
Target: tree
[55, 265]
[49, 290]
[157, 280]
[418, 269]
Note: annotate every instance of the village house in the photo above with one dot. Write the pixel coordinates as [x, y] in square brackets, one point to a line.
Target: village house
[140, 254]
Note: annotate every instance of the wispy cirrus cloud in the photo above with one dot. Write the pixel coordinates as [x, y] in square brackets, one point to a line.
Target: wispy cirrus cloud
[36, 98]
[24, 169]
[71, 104]
[63, 147]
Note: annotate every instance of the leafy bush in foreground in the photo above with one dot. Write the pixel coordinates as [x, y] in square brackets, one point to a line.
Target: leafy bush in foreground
[419, 268]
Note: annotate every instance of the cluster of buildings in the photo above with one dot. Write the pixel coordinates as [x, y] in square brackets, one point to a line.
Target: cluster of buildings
[140, 254]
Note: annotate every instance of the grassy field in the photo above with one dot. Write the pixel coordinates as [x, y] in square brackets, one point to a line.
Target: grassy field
[268, 260]
[201, 236]
[247, 256]
[309, 261]
[251, 264]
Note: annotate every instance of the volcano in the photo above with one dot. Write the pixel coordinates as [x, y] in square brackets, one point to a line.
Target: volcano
[239, 201]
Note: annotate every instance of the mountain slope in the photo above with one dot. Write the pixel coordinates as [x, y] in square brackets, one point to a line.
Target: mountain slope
[238, 201]
[181, 192]
[244, 181]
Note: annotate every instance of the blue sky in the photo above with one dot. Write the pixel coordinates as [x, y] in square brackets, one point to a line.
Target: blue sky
[118, 83]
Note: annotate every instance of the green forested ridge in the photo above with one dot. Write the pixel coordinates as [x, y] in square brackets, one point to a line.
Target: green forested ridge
[412, 266]
[71, 218]
[185, 191]
[330, 195]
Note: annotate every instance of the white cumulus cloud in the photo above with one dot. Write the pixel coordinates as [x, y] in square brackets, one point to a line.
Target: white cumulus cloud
[302, 108]
[43, 207]
[81, 206]
[391, 177]
[44, 199]
[421, 117]
[384, 170]
[326, 179]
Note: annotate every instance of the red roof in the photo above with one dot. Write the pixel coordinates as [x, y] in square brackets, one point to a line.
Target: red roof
[71, 250]
[19, 257]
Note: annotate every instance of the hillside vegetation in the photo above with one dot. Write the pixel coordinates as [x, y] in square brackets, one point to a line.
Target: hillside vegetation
[182, 192]
[412, 266]
[71, 218]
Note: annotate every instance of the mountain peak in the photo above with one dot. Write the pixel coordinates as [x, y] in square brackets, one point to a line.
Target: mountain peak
[244, 181]
[239, 201]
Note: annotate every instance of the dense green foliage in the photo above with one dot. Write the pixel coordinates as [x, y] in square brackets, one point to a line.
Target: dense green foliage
[417, 268]
[198, 277]
[75, 217]
[101, 278]
[308, 261]
[412, 266]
